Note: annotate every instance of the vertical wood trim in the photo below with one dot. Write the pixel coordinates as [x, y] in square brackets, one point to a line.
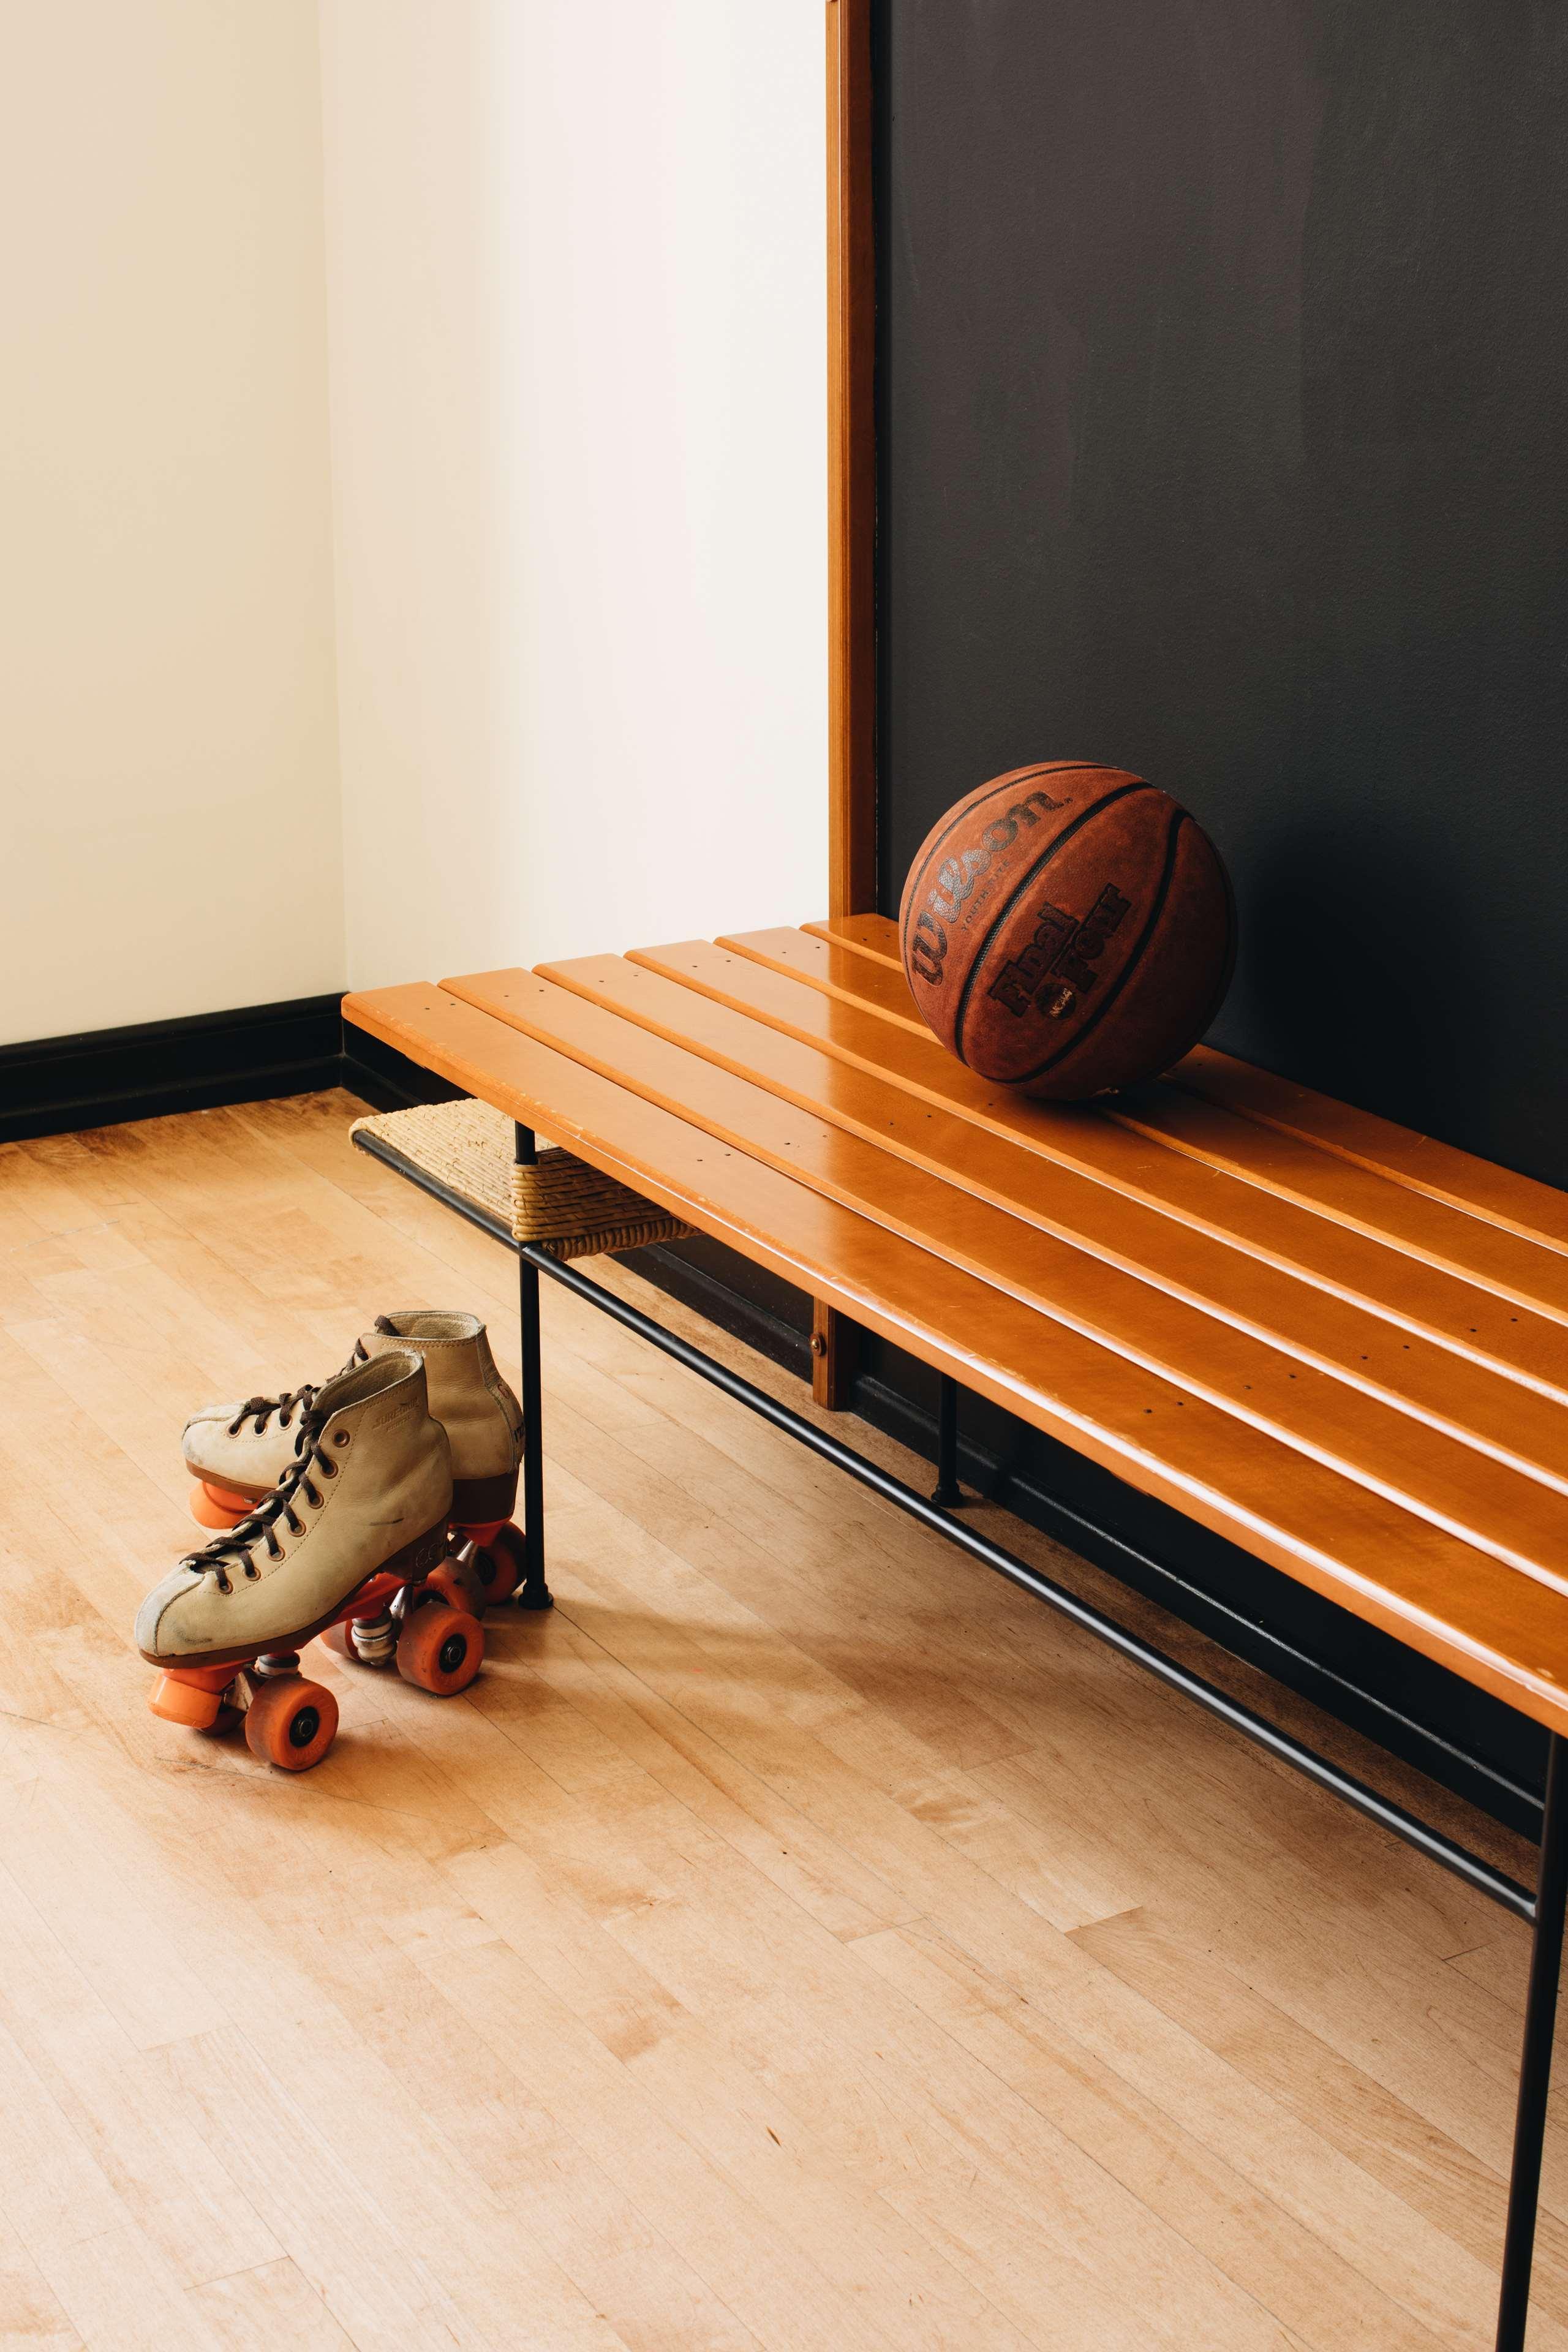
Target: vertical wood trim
[851, 541]
[834, 1344]
[851, 465]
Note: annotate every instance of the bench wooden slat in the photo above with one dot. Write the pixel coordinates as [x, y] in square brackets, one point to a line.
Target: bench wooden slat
[1537, 1211]
[1406, 1290]
[1501, 1630]
[1498, 1195]
[1323, 1181]
[1451, 1391]
[876, 935]
[1472, 1495]
[1353, 1197]
[831, 965]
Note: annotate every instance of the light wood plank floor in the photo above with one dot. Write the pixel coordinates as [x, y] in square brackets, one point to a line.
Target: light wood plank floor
[798, 1940]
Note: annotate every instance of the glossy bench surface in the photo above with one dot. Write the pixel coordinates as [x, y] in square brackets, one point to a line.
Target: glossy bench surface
[1339, 1344]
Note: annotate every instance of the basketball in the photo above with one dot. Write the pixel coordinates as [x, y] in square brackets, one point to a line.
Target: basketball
[1068, 929]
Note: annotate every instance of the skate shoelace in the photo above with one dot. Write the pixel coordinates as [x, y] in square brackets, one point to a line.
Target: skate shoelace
[261, 1409]
[237, 1548]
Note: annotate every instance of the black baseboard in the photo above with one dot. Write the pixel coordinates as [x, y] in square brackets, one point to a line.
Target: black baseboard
[384, 1078]
[741, 1298]
[59, 1086]
[56, 1085]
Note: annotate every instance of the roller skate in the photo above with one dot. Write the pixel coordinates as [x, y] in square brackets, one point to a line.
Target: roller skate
[236, 1453]
[353, 1537]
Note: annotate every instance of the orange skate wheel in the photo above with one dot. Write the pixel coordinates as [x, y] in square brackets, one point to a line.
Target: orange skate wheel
[440, 1649]
[459, 1585]
[290, 1723]
[500, 1564]
[214, 1507]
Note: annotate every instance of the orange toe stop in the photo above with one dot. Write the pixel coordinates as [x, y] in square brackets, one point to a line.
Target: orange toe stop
[214, 1507]
[187, 1703]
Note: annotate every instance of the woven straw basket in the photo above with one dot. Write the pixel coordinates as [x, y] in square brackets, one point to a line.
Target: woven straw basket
[562, 1203]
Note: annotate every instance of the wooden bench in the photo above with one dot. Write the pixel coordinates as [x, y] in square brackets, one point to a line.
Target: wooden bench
[1341, 1345]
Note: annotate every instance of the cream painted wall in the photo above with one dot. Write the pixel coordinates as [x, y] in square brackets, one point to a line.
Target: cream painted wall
[576, 304]
[170, 835]
[561, 267]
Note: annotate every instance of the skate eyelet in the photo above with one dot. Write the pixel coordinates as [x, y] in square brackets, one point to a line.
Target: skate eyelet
[340, 1437]
[251, 1570]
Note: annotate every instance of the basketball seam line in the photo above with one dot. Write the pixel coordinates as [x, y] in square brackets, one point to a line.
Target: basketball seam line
[1012, 784]
[1128, 969]
[1026, 882]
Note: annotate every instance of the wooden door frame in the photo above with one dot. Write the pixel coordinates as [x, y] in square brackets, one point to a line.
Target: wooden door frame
[851, 465]
[851, 540]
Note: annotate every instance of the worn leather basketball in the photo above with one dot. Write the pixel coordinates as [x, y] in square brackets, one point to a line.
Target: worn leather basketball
[1068, 929]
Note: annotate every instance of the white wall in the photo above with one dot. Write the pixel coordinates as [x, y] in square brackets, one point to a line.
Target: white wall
[576, 301]
[561, 265]
[169, 815]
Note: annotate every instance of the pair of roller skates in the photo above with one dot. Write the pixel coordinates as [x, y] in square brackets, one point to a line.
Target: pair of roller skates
[374, 1511]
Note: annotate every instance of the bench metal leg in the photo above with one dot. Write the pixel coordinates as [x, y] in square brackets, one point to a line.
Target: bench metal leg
[532, 1593]
[947, 1494]
[1535, 2066]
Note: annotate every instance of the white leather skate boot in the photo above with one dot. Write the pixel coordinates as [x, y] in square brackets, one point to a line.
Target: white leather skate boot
[368, 1492]
[352, 1542]
[482, 1417]
[236, 1453]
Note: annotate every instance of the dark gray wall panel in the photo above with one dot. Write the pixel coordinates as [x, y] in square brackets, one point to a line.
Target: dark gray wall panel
[1223, 352]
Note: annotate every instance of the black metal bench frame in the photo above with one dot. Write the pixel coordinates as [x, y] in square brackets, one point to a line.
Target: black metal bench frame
[1543, 1910]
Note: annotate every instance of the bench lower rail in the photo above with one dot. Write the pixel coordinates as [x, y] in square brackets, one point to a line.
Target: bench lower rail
[1543, 1910]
